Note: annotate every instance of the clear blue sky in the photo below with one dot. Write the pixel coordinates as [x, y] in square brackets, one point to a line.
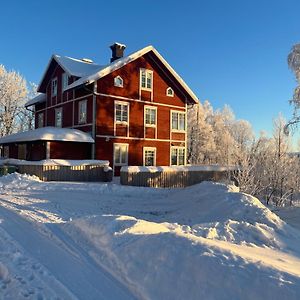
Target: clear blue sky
[229, 52]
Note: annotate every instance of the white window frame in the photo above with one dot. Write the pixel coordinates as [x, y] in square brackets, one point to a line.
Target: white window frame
[40, 120]
[120, 163]
[82, 103]
[177, 157]
[144, 154]
[120, 83]
[64, 81]
[148, 74]
[172, 92]
[59, 109]
[145, 113]
[178, 112]
[54, 87]
[123, 103]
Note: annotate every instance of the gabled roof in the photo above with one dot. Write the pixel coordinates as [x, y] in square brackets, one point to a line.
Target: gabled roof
[126, 60]
[72, 66]
[37, 99]
[48, 134]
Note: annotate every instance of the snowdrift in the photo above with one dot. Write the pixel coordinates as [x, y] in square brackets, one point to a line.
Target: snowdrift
[207, 242]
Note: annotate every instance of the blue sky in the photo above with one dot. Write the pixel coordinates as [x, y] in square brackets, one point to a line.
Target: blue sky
[229, 52]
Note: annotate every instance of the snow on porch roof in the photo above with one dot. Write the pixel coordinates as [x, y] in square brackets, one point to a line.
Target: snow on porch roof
[37, 99]
[48, 134]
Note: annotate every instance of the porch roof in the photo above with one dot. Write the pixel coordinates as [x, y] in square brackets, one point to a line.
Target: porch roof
[48, 134]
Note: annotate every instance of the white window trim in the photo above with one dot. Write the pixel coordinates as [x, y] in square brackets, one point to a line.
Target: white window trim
[85, 120]
[171, 121]
[56, 110]
[177, 147]
[149, 149]
[146, 71]
[52, 94]
[116, 84]
[151, 107]
[115, 112]
[120, 164]
[168, 89]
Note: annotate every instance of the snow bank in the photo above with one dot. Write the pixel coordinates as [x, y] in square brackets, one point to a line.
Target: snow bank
[152, 169]
[211, 243]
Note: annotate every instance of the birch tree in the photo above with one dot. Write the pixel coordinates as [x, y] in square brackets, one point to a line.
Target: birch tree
[13, 91]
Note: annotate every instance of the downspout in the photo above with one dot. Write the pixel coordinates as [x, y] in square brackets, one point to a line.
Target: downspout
[94, 120]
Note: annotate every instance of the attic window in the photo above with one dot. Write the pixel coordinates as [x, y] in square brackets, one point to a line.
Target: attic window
[170, 92]
[118, 81]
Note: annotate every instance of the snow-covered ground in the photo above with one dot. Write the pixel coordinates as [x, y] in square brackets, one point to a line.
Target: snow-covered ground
[106, 241]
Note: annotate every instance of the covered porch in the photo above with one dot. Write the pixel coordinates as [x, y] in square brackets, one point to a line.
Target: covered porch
[47, 143]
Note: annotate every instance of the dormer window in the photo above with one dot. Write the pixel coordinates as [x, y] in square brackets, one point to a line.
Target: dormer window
[54, 87]
[146, 79]
[170, 92]
[118, 81]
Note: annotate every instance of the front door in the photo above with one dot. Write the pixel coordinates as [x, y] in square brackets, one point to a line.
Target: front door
[120, 157]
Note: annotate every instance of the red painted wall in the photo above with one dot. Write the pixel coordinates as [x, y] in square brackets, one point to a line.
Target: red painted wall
[70, 150]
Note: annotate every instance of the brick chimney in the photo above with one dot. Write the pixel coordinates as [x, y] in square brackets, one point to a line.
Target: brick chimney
[117, 50]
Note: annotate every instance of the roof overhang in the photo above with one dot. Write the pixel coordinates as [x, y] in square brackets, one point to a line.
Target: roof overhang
[40, 98]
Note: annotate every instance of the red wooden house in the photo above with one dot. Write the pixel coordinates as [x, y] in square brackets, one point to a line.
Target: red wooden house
[131, 111]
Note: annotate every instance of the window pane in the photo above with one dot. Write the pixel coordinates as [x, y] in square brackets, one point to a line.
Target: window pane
[117, 154]
[125, 113]
[174, 120]
[143, 79]
[181, 122]
[174, 157]
[149, 80]
[118, 112]
[181, 152]
[149, 157]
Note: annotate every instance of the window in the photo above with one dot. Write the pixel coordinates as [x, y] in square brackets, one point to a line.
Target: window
[150, 116]
[146, 78]
[178, 121]
[170, 92]
[121, 112]
[22, 151]
[120, 154]
[54, 87]
[6, 151]
[177, 156]
[149, 156]
[82, 110]
[58, 117]
[40, 120]
[65, 81]
[118, 81]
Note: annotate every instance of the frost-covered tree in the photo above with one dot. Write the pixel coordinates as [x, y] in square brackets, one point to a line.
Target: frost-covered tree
[13, 93]
[201, 144]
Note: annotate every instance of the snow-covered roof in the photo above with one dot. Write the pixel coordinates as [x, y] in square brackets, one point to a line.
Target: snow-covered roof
[48, 134]
[37, 99]
[72, 66]
[77, 67]
[125, 60]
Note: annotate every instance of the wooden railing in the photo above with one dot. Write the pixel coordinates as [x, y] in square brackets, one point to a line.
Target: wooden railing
[67, 173]
[172, 177]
